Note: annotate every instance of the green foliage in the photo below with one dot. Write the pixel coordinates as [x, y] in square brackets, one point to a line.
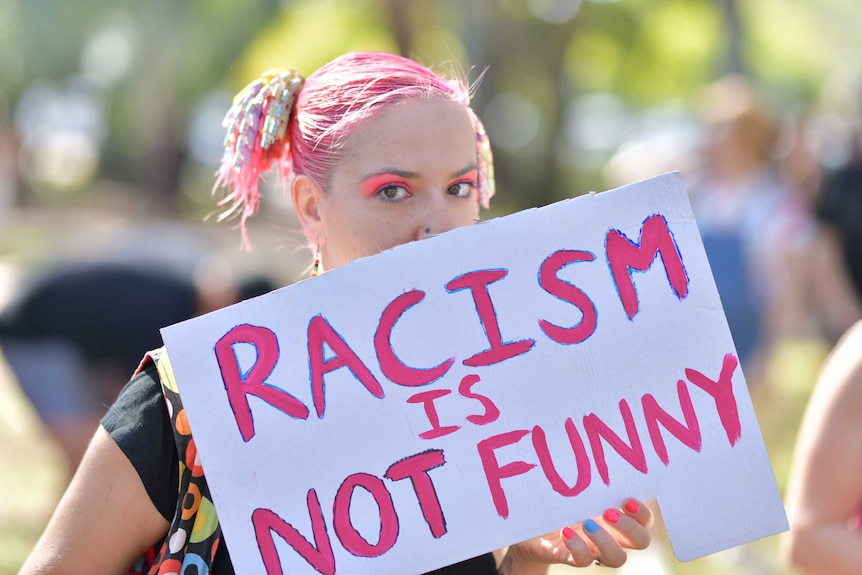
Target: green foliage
[645, 52]
[647, 56]
[312, 33]
[799, 66]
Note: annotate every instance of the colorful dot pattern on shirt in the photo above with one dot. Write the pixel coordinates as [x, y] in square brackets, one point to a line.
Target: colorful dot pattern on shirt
[194, 534]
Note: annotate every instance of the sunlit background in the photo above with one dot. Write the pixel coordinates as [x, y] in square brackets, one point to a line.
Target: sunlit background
[110, 133]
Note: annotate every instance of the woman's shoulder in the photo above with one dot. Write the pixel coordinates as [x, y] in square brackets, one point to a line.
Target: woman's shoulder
[838, 393]
[845, 364]
[141, 393]
[140, 424]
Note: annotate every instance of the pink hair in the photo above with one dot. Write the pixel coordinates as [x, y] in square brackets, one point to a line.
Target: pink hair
[330, 103]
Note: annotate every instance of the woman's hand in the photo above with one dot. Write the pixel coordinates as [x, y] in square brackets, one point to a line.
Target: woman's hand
[603, 539]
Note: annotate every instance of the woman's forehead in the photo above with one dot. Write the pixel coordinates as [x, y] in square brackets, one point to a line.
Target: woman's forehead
[414, 131]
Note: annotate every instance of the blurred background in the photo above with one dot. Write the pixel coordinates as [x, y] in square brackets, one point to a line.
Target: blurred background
[110, 135]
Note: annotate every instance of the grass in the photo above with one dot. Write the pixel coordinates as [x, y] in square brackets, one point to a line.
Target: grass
[32, 476]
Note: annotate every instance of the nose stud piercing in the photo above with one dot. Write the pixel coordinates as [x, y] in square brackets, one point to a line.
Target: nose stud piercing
[427, 230]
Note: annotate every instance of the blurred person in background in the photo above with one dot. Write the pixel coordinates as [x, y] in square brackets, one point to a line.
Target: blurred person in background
[73, 335]
[839, 208]
[824, 492]
[759, 231]
[827, 303]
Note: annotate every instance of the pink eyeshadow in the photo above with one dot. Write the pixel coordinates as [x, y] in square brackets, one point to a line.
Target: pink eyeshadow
[374, 183]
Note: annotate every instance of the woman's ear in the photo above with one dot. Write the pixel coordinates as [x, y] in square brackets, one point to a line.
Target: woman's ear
[306, 195]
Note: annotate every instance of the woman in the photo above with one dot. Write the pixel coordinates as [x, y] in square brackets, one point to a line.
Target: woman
[824, 494]
[378, 151]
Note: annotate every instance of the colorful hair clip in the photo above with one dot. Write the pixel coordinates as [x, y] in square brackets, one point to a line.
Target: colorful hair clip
[255, 123]
[487, 187]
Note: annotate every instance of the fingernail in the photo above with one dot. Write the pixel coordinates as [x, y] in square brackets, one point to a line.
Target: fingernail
[590, 526]
[568, 533]
[611, 516]
[631, 506]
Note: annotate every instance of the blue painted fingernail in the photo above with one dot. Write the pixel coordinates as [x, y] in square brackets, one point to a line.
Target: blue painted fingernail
[590, 526]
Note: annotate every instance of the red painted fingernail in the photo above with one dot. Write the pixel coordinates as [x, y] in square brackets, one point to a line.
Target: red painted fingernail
[631, 506]
[611, 516]
[568, 533]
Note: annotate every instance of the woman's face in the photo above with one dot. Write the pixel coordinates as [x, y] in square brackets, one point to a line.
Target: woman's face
[409, 172]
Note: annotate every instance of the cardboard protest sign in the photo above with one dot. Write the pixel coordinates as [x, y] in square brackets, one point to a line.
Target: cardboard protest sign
[452, 396]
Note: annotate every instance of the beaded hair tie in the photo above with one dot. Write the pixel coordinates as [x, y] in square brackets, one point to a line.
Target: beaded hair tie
[487, 187]
[256, 127]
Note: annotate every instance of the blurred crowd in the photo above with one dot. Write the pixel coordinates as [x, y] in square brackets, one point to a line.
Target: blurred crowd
[776, 245]
[781, 228]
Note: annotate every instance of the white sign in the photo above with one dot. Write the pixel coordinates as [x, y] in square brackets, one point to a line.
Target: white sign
[456, 395]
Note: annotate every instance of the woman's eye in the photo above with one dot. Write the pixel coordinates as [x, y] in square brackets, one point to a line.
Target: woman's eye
[393, 193]
[462, 189]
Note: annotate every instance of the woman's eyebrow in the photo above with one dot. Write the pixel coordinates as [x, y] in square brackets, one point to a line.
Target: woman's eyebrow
[406, 174]
[465, 171]
[410, 175]
[370, 183]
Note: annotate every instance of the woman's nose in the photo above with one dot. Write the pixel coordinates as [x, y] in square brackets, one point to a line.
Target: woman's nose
[435, 218]
[435, 222]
